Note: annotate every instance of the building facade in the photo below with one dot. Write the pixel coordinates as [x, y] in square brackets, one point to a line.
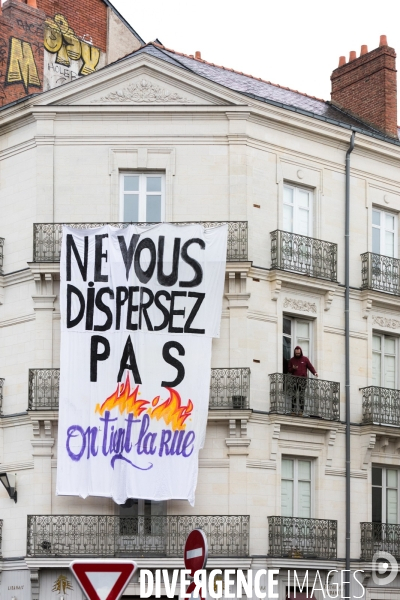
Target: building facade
[160, 136]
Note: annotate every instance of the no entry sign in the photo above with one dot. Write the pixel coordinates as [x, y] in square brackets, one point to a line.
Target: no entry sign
[196, 551]
[103, 580]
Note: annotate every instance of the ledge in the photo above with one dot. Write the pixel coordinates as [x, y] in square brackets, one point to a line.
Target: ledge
[386, 430]
[152, 562]
[306, 422]
[222, 414]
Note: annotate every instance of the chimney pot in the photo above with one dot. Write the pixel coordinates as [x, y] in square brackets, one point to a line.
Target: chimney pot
[342, 61]
[367, 88]
[198, 54]
[32, 3]
[353, 55]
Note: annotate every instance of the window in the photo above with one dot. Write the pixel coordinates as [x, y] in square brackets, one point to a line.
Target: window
[137, 517]
[142, 197]
[296, 488]
[296, 332]
[297, 210]
[384, 361]
[385, 504]
[384, 233]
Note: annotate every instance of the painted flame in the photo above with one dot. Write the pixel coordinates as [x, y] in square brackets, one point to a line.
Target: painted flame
[172, 410]
[125, 400]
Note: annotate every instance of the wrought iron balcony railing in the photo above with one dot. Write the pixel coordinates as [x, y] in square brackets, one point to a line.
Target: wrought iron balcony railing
[47, 238]
[1, 254]
[1, 395]
[380, 273]
[381, 405]
[102, 535]
[230, 388]
[292, 537]
[302, 254]
[44, 387]
[303, 396]
[379, 537]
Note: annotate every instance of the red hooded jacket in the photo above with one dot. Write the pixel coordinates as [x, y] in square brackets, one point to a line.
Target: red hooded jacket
[302, 363]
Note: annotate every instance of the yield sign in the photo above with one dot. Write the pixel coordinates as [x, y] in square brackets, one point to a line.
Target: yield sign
[103, 580]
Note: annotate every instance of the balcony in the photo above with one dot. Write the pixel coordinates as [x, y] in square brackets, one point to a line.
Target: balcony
[1, 254]
[301, 396]
[102, 535]
[47, 238]
[381, 406]
[379, 537]
[44, 387]
[292, 537]
[230, 389]
[302, 254]
[380, 273]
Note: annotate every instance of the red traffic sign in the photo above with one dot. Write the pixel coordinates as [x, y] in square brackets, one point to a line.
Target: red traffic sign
[190, 591]
[196, 551]
[102, 580]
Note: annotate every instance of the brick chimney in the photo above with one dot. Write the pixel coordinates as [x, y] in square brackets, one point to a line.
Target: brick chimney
[367, 87]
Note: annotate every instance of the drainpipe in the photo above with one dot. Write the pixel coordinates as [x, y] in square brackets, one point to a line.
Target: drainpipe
[347, 356]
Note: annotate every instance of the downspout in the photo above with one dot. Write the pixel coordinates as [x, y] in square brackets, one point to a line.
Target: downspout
[347, 357]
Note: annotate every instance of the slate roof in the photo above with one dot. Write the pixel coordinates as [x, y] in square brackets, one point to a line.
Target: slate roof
[253, 87]
[263, 90]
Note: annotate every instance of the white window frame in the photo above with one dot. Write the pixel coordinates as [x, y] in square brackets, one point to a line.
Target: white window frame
[384, 488]
[293, 335]
[296, 460]
[295, 189]
[382, 229]
[142, 193]
[382, 353]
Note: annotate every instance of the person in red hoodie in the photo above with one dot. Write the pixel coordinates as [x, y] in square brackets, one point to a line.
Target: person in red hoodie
[299, 366]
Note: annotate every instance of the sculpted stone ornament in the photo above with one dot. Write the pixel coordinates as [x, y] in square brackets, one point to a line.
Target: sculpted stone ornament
[300, 305]
[388, 323]
[145, 91]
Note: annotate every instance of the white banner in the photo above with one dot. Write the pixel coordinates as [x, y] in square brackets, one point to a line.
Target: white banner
[139, 309]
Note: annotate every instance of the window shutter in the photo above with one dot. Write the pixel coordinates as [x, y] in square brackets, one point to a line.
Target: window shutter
[287, 498]
[304, 499]
[391, 506]
[376, 360]
[302, 212]
[390, 372]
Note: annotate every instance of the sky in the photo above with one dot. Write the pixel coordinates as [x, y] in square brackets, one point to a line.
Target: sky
[295, 43]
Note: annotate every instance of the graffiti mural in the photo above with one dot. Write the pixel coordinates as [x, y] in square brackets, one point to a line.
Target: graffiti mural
[67, 57]
[21, 65]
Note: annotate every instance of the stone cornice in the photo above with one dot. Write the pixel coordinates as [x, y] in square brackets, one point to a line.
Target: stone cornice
[17, 320]
[16, 277]
[13, 565]
[144, 563]
[14, 420]
[17, 466]
[224, 414]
